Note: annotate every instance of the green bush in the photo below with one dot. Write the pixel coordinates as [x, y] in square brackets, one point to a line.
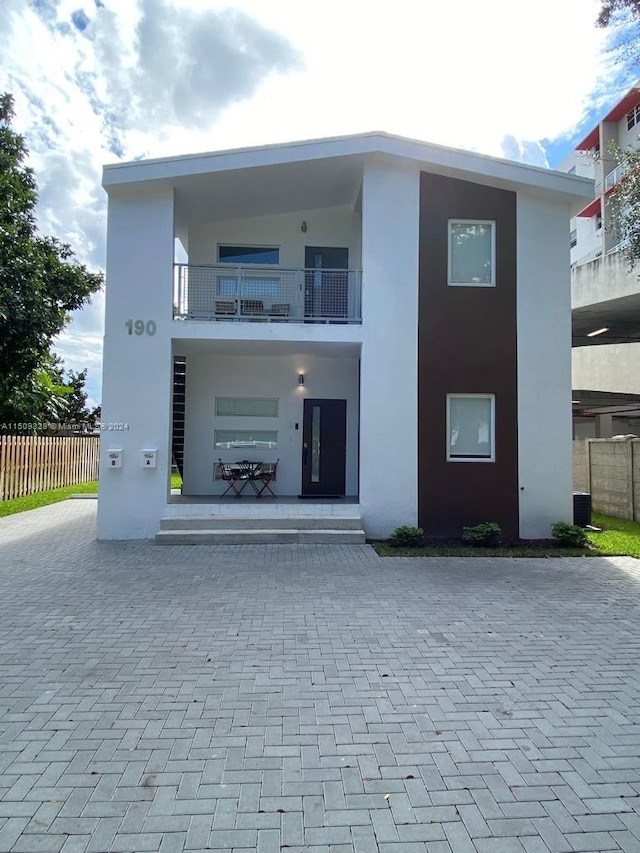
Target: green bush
[407, 537]
[484, 534]
[569, 535]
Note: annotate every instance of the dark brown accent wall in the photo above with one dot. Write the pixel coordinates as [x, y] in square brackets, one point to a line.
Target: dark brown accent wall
[466, 344]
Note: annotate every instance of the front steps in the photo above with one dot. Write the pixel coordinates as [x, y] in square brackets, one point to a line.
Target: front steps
[254, 530]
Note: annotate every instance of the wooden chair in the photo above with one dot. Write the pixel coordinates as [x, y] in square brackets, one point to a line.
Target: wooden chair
[266, 474]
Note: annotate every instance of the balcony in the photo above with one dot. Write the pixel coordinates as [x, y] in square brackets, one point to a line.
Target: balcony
[613, 177]
[267, 294]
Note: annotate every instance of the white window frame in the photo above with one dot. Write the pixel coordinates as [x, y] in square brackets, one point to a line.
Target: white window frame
[467, 459]
[633, 117]
[490, 222]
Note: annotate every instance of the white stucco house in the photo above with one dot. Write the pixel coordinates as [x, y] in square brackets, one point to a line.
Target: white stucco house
[387, 319]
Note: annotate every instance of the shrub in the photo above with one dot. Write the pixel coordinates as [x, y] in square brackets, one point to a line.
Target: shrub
[407, 537]
[569, 535]
[484, 534]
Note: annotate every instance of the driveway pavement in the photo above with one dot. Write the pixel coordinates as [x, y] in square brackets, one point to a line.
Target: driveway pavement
[311, 698]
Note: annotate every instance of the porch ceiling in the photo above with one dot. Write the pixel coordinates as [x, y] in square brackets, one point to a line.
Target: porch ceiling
[319, 349]
[620, 317]
[267, 190]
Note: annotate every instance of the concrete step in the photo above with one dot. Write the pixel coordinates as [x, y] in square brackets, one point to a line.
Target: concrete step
[257, 536]
[216, 522]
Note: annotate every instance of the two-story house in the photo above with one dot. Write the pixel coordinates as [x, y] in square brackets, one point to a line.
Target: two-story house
[386, 319]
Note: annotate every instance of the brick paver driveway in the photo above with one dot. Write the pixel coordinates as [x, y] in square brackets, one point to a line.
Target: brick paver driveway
[312, 698]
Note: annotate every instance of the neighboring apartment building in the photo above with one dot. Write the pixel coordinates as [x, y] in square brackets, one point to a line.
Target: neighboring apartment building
[386, 319]
[605, 293]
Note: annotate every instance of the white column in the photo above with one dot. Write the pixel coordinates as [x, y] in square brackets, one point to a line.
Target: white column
[389, 364]
[544, 366]
[137, 371]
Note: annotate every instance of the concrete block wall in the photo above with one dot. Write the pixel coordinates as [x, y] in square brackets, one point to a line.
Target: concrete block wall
[581, 466]
[610, 471]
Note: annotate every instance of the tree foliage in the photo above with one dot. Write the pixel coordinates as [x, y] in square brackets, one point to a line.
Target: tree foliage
[625, 203]
[40, 284]
[611, 8]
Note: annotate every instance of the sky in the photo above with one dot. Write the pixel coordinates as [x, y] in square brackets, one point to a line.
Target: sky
[97, 81]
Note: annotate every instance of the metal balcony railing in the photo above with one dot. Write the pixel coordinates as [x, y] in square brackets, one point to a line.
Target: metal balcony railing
[614, 176]
[266, 294]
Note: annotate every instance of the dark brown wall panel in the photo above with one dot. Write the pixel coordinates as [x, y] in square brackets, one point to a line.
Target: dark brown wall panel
[466, 344]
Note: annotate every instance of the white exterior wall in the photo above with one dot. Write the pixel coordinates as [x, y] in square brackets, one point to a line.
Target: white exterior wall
[209, 376]
[602, 280]
[137, 373]
[544, 367]
[333, 226]
[389, 364]
[589, 241]
[607, 367]
[628, 137]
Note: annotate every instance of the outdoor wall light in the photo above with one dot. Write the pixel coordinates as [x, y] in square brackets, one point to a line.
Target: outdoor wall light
[301, 379]
[303, 227]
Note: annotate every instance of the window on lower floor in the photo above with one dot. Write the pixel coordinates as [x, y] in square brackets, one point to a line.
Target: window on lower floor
[245, 439]
[470, 427]
[472, 251]
[262, 407]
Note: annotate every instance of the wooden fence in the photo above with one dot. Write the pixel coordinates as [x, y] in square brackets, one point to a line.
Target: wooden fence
[33, 463]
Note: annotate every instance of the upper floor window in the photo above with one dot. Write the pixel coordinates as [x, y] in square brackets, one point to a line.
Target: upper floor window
[596, 151]
[242, 255]
[573, 238]
[633, 117]
[472, 253]
[598, 220]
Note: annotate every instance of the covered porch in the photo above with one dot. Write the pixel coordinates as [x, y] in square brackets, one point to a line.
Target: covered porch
[289, 407]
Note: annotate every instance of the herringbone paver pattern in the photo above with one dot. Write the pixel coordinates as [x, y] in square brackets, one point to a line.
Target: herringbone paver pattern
[311, 698]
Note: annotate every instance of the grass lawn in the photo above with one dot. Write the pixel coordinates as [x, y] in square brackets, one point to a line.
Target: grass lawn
[45, 498]
[618, 536]
[55, 495]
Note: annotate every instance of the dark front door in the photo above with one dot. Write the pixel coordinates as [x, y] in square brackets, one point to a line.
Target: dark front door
[326, 287]
[324, 448]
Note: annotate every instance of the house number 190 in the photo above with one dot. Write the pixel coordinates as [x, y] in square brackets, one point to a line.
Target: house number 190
[139, 327]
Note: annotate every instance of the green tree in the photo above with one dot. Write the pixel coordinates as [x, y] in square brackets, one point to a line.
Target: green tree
[40, 284]
[624, 199]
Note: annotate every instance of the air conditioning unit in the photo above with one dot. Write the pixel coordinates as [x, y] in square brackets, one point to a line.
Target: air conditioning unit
[582, 509]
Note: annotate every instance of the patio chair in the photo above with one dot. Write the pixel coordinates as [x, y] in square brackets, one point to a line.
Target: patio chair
[252, 307]
[231, 477]
[225, 307]
[279, 311]
[265, 474]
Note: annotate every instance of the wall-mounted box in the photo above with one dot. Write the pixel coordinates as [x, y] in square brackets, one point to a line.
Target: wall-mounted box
[149, 457]
[114, 458]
